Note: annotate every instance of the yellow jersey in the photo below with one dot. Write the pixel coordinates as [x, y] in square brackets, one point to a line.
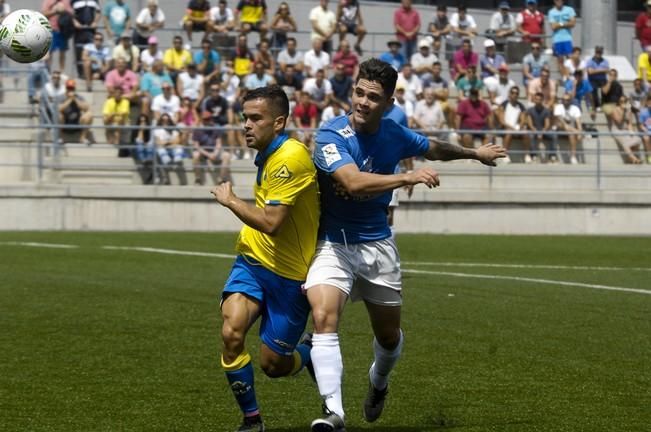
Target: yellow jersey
[286, 176]
[251, 11]
[644, 66]
[177, 60]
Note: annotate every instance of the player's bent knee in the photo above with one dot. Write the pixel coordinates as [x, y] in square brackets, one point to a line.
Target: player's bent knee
[273, 364]
[324, 321]
[232, 336]
[389, 339]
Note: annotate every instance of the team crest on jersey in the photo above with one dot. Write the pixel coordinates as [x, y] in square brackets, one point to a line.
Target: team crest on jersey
[283, 173]
[346, 132]
[331, 154]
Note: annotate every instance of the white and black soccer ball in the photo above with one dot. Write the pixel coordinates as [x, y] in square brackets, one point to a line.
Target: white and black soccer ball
[25, 36]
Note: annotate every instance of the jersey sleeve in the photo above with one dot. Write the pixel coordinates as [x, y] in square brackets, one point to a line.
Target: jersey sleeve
[331, 151]
[414, 144]
[287, 179]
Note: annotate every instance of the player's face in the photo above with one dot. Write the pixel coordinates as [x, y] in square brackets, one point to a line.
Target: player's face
[369, 104]
[260, 124]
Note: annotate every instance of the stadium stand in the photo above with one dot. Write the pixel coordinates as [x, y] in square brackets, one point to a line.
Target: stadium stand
[603, 163]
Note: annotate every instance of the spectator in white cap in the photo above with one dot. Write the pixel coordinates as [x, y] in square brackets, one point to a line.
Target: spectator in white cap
[423, 61]
[502, 25]
[150, 54]
[490, 61]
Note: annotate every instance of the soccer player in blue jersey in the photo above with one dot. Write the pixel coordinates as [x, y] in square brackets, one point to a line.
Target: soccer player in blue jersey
[275, 248]
[356, 257]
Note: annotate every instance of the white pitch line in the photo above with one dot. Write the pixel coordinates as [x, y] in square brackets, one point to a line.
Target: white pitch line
[170, 251]
[533, 280]
[524, 266]
[43, 245]
[427, 272]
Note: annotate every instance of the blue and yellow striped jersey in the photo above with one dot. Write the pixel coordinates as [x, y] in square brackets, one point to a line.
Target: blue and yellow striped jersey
[286, 176]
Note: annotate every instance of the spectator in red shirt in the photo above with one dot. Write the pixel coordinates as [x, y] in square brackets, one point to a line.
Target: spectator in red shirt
[406, 21]
[474, 114]
[462, 59]
[531, 23]
[344, 56]
[643, 26]
[305, 117]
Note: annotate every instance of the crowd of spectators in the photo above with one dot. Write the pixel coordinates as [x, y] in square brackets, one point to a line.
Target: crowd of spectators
[190, 96]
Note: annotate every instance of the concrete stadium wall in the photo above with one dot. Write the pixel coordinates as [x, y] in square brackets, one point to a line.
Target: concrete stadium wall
[135, 208]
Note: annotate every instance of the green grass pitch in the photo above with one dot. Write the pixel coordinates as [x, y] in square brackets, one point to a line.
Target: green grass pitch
[94, 339]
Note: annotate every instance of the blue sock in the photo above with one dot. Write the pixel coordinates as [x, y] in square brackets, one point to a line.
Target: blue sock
[301, 357]
[241, 382]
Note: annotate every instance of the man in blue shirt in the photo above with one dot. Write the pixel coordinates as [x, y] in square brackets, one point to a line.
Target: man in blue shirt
[598, 68]
[206, 59]
[394, 57]
[562, 19]
[580, 89]
[356, 157]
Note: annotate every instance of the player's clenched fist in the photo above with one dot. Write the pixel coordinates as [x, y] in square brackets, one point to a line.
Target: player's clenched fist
[223, 193]
[425, 175]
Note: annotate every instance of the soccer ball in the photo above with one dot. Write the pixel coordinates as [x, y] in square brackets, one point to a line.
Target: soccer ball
[25, 36]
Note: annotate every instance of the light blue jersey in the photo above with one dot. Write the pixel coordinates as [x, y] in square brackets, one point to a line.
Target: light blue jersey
[562, 16]
[396, 114]
[347, 219]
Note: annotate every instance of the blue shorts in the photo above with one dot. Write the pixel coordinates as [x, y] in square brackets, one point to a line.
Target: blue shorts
[59, 42]
[284, 305]
[562, 48]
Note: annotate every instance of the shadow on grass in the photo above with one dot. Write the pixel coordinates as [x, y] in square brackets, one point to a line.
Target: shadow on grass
[446, 425]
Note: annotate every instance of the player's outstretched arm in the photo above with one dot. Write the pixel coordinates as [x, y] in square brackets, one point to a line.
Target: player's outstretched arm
[445, 151]
[360, 183]
[267, 220]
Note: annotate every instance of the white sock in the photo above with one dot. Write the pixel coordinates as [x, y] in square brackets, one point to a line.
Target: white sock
[384, 362]
[328, 368]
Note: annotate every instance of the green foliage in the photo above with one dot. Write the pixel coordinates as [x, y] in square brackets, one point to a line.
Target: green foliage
[113, 340]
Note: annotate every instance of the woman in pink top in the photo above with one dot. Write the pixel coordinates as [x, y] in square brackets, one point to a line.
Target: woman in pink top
[188, 116]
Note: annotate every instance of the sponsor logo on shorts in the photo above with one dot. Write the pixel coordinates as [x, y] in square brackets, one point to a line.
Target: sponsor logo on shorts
[283, 344]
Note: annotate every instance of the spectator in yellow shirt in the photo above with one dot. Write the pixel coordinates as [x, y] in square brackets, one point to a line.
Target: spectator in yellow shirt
[116, 113]
[197, 17]
[252, 16]
[176, 58]
[644, 65]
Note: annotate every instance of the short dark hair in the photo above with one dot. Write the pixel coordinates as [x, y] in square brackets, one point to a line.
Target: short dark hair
[376, 70]
[293, 39]
[442, 8]
[274, 94]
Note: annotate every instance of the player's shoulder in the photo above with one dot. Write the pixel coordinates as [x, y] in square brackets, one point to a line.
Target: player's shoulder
[337, 128]
[292, 150]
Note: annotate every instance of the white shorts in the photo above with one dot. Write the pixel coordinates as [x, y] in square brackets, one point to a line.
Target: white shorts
[365, 271]
[395, 201]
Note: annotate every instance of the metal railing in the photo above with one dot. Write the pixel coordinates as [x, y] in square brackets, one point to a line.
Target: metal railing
[51, 155]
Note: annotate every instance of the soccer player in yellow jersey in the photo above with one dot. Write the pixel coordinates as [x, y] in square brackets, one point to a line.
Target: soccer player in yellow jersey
[275, 248]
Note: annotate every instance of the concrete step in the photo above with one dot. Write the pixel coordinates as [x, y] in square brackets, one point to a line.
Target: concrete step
[97, 177]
